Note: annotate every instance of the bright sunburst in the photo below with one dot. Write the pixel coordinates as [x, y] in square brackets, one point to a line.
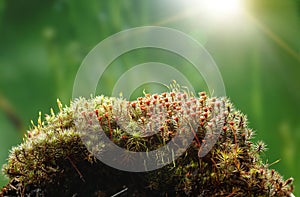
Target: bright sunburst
[222, 7]
[217, 9]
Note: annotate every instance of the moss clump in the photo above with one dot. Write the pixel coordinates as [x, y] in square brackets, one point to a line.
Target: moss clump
[53, 161]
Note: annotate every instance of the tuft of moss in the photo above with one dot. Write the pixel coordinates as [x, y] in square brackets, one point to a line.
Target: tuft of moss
[52, 160]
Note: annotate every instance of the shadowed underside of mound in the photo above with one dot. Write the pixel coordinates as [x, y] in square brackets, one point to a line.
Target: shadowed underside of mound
[220, 160]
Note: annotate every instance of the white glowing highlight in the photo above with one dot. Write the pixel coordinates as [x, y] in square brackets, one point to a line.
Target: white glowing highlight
[218, 9]
[222, 7]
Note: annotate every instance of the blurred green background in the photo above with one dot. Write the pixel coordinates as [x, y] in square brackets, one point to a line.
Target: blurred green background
[42, 44]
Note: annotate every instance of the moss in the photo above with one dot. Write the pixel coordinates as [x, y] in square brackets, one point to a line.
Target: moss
[52, 160]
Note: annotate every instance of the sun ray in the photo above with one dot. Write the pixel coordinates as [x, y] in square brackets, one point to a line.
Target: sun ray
[279, 41]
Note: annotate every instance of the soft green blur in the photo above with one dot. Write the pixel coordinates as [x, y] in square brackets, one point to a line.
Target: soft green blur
[42, 44]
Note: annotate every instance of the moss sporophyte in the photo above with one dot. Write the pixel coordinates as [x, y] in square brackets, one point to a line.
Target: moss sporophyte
[52, 160]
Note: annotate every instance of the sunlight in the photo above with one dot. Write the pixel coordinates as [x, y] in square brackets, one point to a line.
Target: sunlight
[222, 8]
[217, 9]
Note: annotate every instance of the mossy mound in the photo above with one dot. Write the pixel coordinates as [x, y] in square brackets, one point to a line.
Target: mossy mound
[53, 161]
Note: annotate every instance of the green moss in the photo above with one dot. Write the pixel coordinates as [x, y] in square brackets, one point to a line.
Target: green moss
[52, 159]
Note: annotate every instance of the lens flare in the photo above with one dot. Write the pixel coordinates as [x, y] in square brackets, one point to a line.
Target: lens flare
[217, 9]
[222, 7]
